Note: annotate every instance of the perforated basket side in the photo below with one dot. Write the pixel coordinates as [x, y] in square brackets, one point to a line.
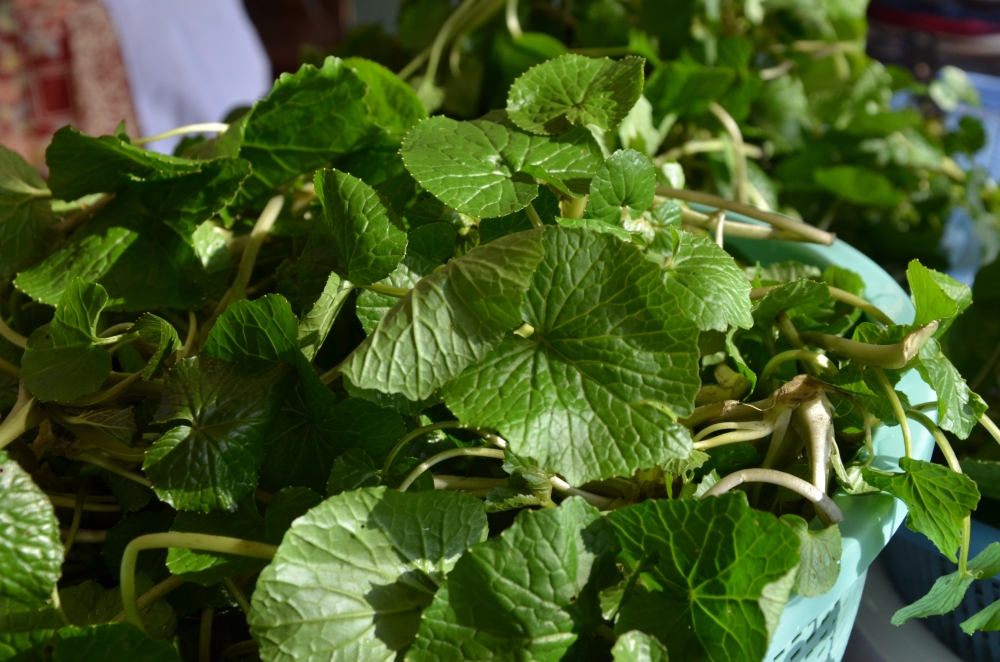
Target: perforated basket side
[825, 639]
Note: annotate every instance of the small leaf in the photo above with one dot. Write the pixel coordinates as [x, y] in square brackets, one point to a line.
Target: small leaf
[89, 603]
[110, 642]
[450, 319]
[959, 409]
[158, 333]
[255, 334]
[352, 576]
[636, 646]
[936, 296]
[31, 553]
[515, 596]
[938, 499]
[317, 321]
[709, 285]
[26, 217]
[716, 556]
[351, 471]
[624, 185]
[63, 361]
[365, 230]
[819, 557]
[596, 225]
[571, 90]
[949, 590]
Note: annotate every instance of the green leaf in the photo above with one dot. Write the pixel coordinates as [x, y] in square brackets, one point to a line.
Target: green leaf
[25, 631]
[111, 642]
[819, 557]
[130, 495]
[708, 283]
[637, 646]
[686, 89]
[372, 306]
[584, 395]
[366, 232]
[309, 119]
[514, 596]
[803, 296]
[451, 319]
[987, 620]
[477, 167]
[317, 321]
[392, 104]
[623, 187]
[31, 553]
[949, 590]
[312, 429]
[938, 499]
[351, 471]
[151, 562]
[26, 218]
[573, 90]
[859, 185]
[959, 409]
[63, 361]
[596, 225]
[716, 558]
[158, 333]
[210, 461]
[256, 334]
[89, 603]
[936, 296]
[351, 577]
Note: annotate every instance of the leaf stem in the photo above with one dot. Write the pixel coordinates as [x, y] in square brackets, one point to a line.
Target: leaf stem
[108, 393]
[536, 220]
[205, 635]
[22, 417]
[736, 229]
[93, 458]
[74, 527]
[87, 536]
[465, 483]
[205, 127]
[61, 501]
[733, 129]
[115, 330]
[984, 420]
[720, 227]
[574, 207]
[447, 455]
[152, 595]
[192, 334]
[238, 595]
[758, 427]
[12, 336]
[890, 357]
[771, 218]
[10, 369]
[837, 294]
[897, 408]
[57, 605]
[419, 432]
[782, 479]
[821, 361]
[963, 559]
[788, 331]
[939, 438]
[597, 501]
[513, 22]
[414, 64]
[814, 421]
[199, 541]
[437, 47]
[86, 212]
[388, 290]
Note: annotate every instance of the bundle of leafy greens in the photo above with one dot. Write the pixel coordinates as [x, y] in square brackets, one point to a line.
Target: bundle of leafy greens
[771, 103]
[349, 383]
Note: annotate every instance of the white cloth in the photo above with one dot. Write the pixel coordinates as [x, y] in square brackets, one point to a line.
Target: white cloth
[188, 61]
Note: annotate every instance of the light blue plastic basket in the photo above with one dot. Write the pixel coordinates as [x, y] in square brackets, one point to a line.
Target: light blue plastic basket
[817, 629]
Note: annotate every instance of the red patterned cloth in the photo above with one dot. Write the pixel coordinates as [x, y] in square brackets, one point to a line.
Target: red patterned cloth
[59, 64]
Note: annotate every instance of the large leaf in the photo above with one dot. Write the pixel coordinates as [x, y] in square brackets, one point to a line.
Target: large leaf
[709, 285]
[367, 233]
[352, 576]
[25, 630]
[623, 187]
[26, 217]
[949, 590]
[587, 393]
[392, 104]
[63, 361]
[256, 334]
[31, 553]
[451, 319]
[515, 596]
[715, 559]
[110, 642]
[477, 167]
[938, 499]
[309, 119]
[210, 461]
[574, 90]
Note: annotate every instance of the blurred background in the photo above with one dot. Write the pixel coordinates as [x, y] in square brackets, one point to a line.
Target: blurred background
[896, 103]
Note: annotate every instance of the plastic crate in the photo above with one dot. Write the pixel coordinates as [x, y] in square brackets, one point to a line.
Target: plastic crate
[913, 564]
[817, 629]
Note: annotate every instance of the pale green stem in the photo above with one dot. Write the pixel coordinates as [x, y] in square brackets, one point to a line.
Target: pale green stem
[788, 331]
[61, 501]
[115, 330]
[69, 224]
[414, 64]
[536, 220]
[447, 455]
[574, 207]
[106, 463]
[108, 393]
[984, 420]
[22, 417]
[733, 437]
[388, 290]
[10, 369]
[192, 335]
[597, 501]
[152, 595]
[963, 559]
[419, 432]
[513, 23]
[12, 336]
[891, 357]
[756, 426]
[437, 47]
[205, 635]
[238, 595]
[466, 484]
[57, 605]
[206, 127]
[822, 502]
[733, 129]
[199, 541]
[771, 218]
[897, 408]
[74, 526]
[819, 360]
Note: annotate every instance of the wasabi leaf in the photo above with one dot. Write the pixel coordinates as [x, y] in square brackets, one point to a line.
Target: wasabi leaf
[112, 642]
[623, 187]
[936, 296]
[636, 646]
[819, 557]
[959, 409]
[26, 217]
